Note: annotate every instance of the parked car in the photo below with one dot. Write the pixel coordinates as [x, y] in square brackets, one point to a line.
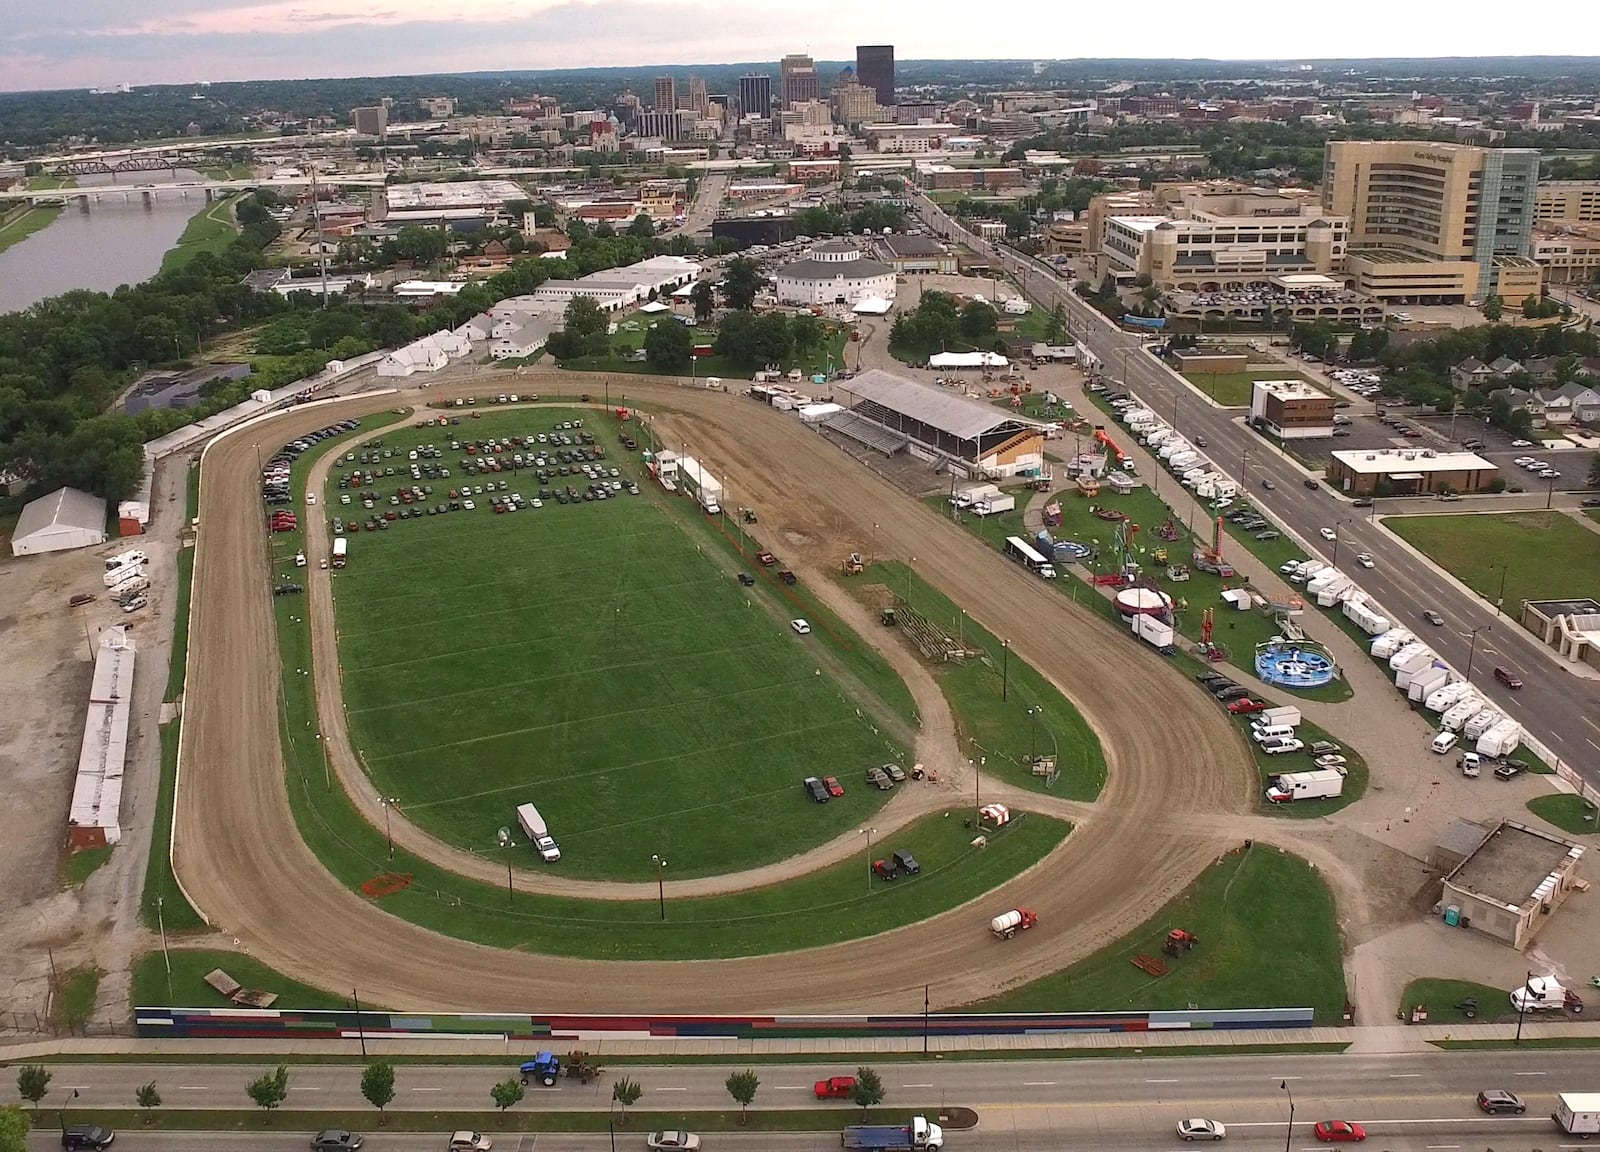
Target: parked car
[676, 1141]
[906, 862]
[1495, 1100]
[470, 1141]
[815, 789]
[801, 627]
[86, 1136]
[336, 1140]
[1201, 1130]
[831, 783]
[1339, 1131]
[746, 579]
[1246, 705]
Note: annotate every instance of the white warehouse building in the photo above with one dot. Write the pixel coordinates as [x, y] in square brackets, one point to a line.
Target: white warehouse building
[834, 272]
[66, 518]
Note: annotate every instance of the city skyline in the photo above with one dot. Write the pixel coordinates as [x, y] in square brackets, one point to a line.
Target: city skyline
[98, 42]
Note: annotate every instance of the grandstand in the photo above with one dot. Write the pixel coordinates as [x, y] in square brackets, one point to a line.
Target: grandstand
[866, 432]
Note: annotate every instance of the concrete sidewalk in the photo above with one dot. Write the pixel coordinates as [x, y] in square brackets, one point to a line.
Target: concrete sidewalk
[1387, 1038]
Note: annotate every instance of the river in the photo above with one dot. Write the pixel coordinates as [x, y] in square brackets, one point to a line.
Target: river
[112, 243]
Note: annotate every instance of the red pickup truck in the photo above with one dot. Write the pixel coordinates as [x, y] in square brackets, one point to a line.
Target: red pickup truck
[766, 559]
[836, 1088]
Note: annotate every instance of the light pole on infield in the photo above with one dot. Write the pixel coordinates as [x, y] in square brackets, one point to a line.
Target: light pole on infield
[661, 882]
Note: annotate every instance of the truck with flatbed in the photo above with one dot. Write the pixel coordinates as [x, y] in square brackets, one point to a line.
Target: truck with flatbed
[913, 1137]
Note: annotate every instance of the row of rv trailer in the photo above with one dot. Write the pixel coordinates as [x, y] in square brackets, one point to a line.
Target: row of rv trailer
[1183, 458]
[128, 579]
[1464, 715]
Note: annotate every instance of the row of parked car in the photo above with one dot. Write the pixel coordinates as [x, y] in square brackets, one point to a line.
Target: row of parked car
[275, 472]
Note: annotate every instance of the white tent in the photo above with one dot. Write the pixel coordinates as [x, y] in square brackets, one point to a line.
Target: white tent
[653, 307]
[967, 360]
[872, 306]
[66, 518]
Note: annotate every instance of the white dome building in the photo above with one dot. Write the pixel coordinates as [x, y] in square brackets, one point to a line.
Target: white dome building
[834, 272]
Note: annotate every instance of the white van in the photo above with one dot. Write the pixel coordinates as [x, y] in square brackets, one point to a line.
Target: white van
[534, 827]
[1270, 732]
[1443, 742]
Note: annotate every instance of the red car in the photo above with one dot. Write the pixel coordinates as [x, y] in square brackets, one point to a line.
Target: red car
[766, 559]
[831, 783]
[1339, 1131]
[836, 1088]
[1241, 707]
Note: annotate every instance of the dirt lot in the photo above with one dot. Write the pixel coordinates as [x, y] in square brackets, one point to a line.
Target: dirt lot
[242, 859]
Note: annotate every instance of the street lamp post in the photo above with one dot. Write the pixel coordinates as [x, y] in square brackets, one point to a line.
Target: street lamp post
[388, 833]
[1033, 734]
[1005, 668]
[661, 882]
[1337, 524]
[1288, 1134]
[868, 833]
[1500, 597]
[1472, 650]
[1522, 1008]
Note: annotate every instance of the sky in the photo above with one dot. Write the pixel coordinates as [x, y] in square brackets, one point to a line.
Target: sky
[89, 43]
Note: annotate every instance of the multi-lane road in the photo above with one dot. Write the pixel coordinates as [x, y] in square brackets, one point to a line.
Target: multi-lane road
[1560, 709]
[1423, 1102]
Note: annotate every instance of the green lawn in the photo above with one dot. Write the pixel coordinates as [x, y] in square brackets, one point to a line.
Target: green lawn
[25, 224]
[816, 909]
[1442, 996]
[1234, 389]
[1006, 732]
[1268, 939]
[179, 667]
[188, 988]
[74, 999]
[593, 661]
[1238, 632]
[1571, 814]
[209, 230]
[1355, 779]
[1539, 555]
[79, 866]
[164, 903]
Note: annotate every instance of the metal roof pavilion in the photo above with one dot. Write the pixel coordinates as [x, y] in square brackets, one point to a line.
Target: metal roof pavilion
[946, 411]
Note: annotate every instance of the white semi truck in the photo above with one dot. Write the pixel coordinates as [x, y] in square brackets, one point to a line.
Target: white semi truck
[1323, 784]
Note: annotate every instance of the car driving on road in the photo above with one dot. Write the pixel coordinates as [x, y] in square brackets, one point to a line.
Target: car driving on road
[1495, 1100]
[1339, 1131]
[1201, 1130]
[1433, 618]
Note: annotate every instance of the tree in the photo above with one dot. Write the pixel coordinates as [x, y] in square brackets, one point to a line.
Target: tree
[626, 1092]
[1493, 307]
[643, 227]
[1530, 307]
[704, 299]
[13, 1129]
[377, 1084]
[668, 346]
[506, 1094]
[270, 1091]
[742, 1087]
[147, 1098]
[33, 1081]
[805, 331]
[1594, 471]
[868, 1091]
[741, 282]
[1055, 329]
[978, 322]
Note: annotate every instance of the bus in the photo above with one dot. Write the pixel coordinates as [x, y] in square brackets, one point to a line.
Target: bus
[1025, 554]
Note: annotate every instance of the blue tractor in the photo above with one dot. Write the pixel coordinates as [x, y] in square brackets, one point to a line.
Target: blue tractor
[545, 1068]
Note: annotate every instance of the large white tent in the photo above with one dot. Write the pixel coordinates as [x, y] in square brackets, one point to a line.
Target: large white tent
[967, 360]
[873, 306]
[66, 518]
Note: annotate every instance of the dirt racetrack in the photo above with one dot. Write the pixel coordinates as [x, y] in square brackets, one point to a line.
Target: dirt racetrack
[1170, 752]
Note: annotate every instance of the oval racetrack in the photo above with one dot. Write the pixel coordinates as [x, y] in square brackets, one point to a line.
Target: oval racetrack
[1171, 755]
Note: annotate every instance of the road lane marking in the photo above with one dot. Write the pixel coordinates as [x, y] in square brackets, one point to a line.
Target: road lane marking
[427, 1089]
[790, 1088]
[304, 1088]
[1532, 1073]
[671, 1089]
[193, 1088]
[1440, 1147]
[1160, 1081]
[1591, 743]
[1038, 1083]
[1286, 1077]
[916, 1085]
[1404, 1075]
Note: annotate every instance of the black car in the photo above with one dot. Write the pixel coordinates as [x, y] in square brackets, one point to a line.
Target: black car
[816, 788]
[336, 1140]
[1364, 502]
[746, 579]
[1234, 693]
[87, 1136]
[906, 862]
[1310, 483]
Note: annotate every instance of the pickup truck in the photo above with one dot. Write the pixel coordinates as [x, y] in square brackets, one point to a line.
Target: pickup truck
[766, 559]
[836, 1088]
